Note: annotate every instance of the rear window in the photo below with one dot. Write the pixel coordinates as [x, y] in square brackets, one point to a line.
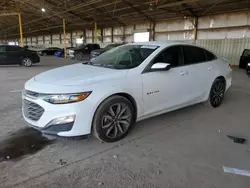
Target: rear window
[246, 53]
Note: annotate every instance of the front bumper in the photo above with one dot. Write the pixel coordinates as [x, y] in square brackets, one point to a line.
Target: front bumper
[83, 112]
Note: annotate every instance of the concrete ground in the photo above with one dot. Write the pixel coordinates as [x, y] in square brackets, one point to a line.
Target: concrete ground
[183, 149]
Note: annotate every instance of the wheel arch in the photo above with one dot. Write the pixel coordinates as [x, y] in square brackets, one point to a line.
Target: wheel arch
[208, 92]
[221, 78]
[131, 99]
[122, 94]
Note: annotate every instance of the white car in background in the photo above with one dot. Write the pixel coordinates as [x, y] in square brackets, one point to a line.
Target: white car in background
[121, 86]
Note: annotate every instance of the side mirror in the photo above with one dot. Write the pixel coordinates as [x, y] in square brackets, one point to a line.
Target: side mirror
[161, 66]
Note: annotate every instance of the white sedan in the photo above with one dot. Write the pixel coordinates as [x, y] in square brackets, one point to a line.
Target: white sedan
[126, 84]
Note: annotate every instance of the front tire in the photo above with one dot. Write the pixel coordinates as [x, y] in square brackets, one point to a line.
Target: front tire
[27, 62]
[113, 119]
[217, 92]
[79, 56]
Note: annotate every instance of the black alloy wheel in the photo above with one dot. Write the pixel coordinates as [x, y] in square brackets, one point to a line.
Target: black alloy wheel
[27, 62]
[217, 92]
[113, 119]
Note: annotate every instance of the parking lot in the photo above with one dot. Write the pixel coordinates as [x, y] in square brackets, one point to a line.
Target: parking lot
[184, 148]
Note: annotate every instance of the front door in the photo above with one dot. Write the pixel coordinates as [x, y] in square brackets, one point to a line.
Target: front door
[166, 90]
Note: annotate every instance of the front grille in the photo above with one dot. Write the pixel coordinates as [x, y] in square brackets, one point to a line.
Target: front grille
[31, 93]
[32, 110]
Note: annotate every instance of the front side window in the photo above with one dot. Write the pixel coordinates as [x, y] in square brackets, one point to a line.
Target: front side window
[193, 55]
[124, 57]
[246, 53]
[13, 48]
[171, 55]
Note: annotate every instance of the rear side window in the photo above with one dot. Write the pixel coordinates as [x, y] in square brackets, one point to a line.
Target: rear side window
[193, 54]
[210, 56]
[13, 48]
[246, 53]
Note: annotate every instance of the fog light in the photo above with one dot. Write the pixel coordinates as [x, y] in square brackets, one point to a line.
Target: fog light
[62, 120]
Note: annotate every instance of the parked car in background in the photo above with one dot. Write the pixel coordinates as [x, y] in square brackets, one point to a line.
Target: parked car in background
[60, 53]
[244, 59]
[95, 53]
[49, 51]
[37, 48]
[84, 49]
[17, 55]
[124, 85]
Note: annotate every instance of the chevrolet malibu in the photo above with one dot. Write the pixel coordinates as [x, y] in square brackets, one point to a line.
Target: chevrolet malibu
[126, 84]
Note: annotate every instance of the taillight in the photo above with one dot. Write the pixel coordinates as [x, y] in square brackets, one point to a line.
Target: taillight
[230, 65]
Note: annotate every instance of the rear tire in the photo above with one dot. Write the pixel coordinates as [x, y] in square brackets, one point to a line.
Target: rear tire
[113, 119]
[27, 62]
[217, 92]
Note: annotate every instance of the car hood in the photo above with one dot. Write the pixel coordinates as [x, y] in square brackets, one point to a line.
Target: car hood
[78, 74]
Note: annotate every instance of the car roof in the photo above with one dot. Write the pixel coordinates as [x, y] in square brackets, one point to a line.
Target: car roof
[161, 43]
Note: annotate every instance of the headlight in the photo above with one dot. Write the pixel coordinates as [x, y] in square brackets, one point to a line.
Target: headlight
[66, 98]
[248, 64]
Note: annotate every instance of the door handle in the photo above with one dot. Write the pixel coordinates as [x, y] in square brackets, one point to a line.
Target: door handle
[209, 68]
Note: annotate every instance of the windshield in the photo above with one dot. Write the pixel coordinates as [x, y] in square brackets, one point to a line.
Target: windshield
[124, 57]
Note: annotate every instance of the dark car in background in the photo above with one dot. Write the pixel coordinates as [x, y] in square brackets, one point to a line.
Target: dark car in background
[98, 52]
[244, 59]
[10, 55]
[84, 49]
[49, 51]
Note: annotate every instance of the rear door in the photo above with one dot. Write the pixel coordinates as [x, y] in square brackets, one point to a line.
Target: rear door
[14, 54]
[245, 58]
[199, 70]
[3, 57]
